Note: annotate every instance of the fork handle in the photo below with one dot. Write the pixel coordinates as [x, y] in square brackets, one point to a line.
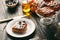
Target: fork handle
[6, 20]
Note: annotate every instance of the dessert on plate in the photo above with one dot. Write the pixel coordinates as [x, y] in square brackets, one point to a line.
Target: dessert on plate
[20, 27]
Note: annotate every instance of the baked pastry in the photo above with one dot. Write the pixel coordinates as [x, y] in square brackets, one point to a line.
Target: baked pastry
[46, 3]
[48, 8]
[34, 6]
[45, 11]
[48, 0]
[20, 27]
[56, 7]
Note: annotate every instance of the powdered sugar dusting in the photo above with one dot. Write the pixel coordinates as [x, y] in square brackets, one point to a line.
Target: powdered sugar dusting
[19, 25]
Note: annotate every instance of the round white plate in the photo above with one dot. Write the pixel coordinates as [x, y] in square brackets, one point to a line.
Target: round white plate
[29, 31]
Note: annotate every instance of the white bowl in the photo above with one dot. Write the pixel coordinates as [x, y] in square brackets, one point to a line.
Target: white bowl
[13, 5]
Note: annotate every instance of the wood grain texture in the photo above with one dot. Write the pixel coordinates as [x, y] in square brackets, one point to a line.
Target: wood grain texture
[4, 14]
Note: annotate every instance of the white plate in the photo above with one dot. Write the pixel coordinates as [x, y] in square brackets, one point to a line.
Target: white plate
[29, 31]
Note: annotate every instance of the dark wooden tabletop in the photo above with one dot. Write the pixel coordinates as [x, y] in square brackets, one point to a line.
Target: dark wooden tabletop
[39, 34]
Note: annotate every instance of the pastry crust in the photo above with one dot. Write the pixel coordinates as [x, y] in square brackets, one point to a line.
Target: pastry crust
[56, 7]
[20, 30]
[45, 11]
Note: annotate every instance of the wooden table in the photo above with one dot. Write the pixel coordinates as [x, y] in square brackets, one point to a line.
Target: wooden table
[6, 13]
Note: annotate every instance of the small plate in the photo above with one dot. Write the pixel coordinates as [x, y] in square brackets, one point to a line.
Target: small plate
[29, 31]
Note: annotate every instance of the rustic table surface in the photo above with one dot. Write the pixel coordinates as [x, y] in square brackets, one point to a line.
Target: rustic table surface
[6, 13]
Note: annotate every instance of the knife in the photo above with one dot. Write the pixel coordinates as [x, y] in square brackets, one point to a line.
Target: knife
[6, 20]
[9, 19]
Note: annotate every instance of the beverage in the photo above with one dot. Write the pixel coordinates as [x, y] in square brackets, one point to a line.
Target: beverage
[25, 8]
[27, 14]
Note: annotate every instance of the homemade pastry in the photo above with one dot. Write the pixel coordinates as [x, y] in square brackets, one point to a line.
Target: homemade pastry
[34, 6]
[46, 3]
[20, 27]
[56, 7]
[48, 0]
[48, 8]
[45, 11]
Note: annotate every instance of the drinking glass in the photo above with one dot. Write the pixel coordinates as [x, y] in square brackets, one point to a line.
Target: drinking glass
[26, 8]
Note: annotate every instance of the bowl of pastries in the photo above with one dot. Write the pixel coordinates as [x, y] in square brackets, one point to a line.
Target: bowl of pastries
[48, 8]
